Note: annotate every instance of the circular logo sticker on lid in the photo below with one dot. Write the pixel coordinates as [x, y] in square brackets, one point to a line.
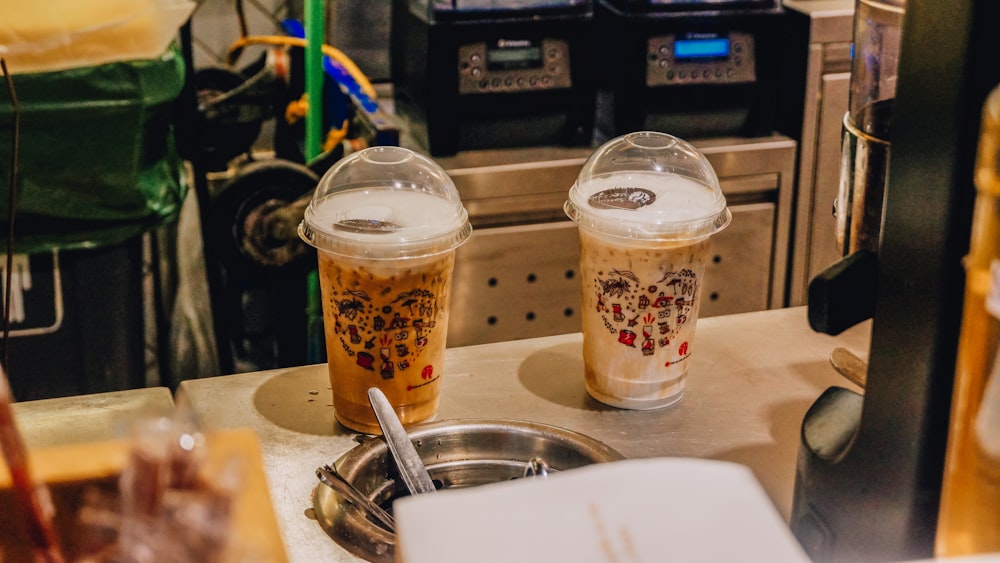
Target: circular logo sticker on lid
[627, 197]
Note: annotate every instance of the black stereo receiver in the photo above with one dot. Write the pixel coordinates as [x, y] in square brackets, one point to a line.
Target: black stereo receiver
[475, 74]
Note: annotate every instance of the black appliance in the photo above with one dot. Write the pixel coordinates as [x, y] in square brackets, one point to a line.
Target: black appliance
[695, 68]
[870, 467]
[476, 74]
[79, 321]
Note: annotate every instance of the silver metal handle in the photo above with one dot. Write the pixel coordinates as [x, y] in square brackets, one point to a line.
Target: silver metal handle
[408, 461]
[331, 478]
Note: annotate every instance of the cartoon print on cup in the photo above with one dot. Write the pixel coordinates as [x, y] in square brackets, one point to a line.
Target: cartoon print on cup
[397, 328]
[626, 337]
[660, 307]
[365, 359]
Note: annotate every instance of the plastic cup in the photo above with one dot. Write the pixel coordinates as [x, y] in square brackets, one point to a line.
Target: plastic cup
[646, 204]
[386, 222]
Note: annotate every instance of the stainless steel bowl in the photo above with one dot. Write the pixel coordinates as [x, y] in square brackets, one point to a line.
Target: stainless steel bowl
[462, 453]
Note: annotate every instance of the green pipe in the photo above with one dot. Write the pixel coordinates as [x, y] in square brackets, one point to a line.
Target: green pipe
[315, 337]
[315, 37]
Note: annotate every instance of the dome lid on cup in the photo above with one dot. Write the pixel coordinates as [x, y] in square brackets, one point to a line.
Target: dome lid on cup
[385, 203]
[648, 186]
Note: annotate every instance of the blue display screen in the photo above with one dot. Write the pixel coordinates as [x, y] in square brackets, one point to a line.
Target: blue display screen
[701, 48]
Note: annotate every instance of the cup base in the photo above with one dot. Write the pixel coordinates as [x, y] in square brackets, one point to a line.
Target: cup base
[634, 404]
[366, 423]
[357, 426]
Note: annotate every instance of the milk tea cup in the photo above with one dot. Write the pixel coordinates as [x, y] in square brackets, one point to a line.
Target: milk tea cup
[385, 222]
[646, 204]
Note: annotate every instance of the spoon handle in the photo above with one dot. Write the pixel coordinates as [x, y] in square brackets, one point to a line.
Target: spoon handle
[411, 468]
[329, 477]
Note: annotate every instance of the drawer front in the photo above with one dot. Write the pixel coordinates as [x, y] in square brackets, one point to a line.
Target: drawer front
[516, 282]
[522, 281]
[738, 276]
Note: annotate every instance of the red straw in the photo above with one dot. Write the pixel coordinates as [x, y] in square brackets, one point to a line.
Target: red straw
[32, 499]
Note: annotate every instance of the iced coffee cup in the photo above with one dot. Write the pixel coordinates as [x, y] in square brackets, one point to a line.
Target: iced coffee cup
[386, 222]
[646, 204]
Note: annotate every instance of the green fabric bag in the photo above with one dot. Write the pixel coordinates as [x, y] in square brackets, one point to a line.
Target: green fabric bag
[98, 163]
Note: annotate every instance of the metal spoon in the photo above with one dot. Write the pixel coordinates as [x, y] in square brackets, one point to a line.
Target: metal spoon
[331, 478]
[411, 467]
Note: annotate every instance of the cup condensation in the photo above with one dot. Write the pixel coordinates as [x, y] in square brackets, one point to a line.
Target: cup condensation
[386, 222]
[646, 204]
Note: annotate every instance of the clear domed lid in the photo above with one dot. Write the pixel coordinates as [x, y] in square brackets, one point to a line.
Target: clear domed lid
[648, 186]
[385, 203]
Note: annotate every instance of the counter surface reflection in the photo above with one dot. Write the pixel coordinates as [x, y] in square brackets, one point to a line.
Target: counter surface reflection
[750, 383]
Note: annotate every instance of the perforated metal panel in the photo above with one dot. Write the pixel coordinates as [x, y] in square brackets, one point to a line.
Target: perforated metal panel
[738, 276]
[516, 282]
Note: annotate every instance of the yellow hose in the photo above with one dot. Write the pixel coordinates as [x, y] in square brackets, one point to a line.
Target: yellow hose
[335, 136]
[328, 50]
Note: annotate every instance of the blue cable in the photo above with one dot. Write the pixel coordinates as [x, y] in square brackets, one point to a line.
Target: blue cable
[333, 69]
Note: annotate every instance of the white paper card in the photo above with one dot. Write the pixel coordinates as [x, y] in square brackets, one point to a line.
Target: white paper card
[631, 511]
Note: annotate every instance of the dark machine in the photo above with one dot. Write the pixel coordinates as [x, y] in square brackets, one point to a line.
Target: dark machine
[694, 69]
[471, 74]
[870, 466]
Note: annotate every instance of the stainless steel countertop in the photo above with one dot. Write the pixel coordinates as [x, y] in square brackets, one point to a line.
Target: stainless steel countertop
[87, 418]
[752, 378]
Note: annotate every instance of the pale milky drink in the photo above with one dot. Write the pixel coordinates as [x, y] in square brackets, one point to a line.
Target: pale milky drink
[644, 241]
[385, 268]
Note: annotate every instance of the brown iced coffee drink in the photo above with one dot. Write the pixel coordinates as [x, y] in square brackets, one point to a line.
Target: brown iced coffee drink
[386, 222]
[386, 326]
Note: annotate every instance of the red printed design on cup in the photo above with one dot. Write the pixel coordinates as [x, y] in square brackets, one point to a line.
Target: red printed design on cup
[647, 314]
[385, 334]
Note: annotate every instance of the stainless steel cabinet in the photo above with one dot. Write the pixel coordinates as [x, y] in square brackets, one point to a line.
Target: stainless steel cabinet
[826, 97]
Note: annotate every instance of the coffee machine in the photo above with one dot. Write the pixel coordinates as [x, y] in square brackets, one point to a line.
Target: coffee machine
[691, 68]
[484, 74]
[870, 466]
